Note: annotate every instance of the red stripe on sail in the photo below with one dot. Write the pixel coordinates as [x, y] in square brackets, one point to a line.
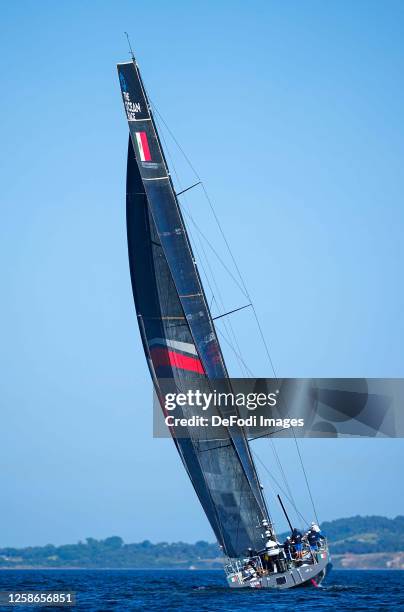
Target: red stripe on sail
[164, 357]
[145, 146]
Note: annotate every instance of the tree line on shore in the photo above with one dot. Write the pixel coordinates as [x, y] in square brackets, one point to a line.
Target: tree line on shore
[355, 535]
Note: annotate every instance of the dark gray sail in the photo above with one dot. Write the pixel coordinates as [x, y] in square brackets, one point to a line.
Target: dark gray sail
[177, 330]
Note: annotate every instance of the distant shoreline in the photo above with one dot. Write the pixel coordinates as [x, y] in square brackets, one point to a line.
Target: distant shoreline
[357, 543]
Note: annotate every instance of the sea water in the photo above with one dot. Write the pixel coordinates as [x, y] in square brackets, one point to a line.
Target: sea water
[199, 591]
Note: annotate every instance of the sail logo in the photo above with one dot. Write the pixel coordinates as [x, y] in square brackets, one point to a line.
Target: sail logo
[131, 107]
[143, 146]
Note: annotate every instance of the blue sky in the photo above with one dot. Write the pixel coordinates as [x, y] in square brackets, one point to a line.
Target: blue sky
[292, 112]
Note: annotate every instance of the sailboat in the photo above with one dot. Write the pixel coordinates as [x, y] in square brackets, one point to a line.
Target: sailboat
[181, 343]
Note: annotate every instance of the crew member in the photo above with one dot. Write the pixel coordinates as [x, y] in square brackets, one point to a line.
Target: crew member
[312, 538]
[249, 571]
[251, 552]
[297, 542]
[271, 553]
[286, 547]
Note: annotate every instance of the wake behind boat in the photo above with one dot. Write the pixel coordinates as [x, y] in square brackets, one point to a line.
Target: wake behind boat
[181, 344]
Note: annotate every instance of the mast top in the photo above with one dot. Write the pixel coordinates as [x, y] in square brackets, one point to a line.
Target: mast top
[130, 47]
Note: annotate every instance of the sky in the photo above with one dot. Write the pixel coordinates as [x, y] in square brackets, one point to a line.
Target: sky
[292, 113]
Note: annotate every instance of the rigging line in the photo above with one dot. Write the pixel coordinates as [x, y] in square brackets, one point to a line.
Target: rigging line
[230, 333]
[224, 238]
[302, 466]
[203, 260]
[227, 323]
[263, 339]
[265, 346]
[283, 475]
[219, 301]
[281, 470]
[278, 485]
[198, 229]
[307, 482]
[245, 370]
[229, 272]
[293, 432]
[237, 355]
[207, 197]
[176, 141]
[187, 237]
[245, 288]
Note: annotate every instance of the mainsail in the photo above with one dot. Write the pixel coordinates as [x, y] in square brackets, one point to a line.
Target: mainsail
[177, 330]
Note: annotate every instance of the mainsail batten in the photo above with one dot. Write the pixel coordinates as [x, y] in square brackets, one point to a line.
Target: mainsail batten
[173, 314]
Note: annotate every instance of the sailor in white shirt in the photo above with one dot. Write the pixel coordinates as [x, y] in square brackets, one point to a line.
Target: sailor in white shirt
[272, 548]
[272, 553]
